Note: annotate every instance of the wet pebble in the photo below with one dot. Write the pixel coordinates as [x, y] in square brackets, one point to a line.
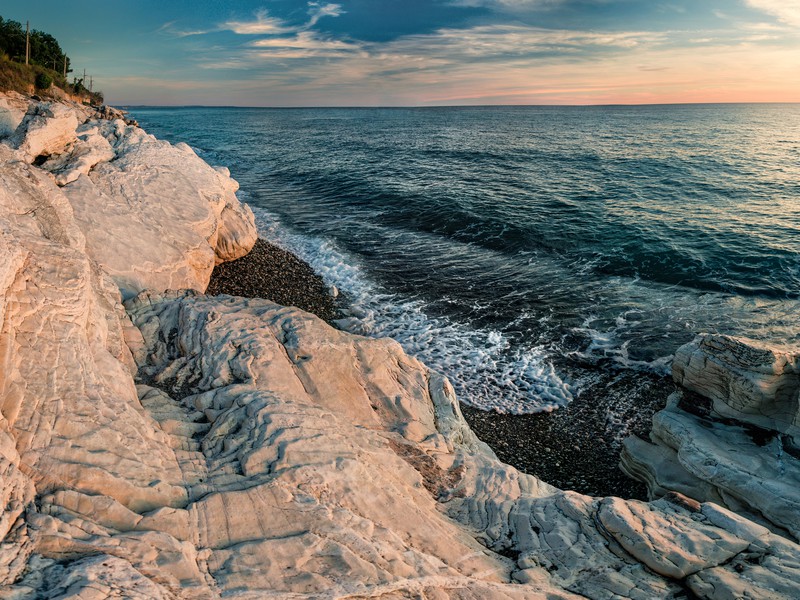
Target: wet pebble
[274, 274]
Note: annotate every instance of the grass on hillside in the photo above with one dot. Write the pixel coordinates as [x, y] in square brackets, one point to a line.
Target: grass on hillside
[21, 78]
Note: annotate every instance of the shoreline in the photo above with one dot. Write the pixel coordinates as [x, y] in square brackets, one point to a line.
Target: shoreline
[573, 447]
[159, 442]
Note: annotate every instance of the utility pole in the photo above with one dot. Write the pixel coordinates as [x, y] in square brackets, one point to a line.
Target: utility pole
[65, 66]
[91, 83]
[83, 81]
[27, 41]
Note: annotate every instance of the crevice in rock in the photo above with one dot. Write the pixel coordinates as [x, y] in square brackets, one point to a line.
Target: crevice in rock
[437, 481]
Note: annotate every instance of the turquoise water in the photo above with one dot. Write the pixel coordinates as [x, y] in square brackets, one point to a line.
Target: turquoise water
[528, 252]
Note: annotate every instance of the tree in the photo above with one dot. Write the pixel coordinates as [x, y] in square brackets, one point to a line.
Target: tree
[12, 39]
[45, 49]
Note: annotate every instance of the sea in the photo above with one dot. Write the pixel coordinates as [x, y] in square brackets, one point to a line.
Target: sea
[529, 253]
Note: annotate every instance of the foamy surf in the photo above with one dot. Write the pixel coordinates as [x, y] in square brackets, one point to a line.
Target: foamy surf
[486, 371]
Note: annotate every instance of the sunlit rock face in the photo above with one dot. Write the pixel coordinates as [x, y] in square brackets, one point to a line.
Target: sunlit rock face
[735, 443]
[154, 215]
[184, 446]
[47, 128]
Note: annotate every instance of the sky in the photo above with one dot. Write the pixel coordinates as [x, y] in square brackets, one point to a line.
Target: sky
[427, 52]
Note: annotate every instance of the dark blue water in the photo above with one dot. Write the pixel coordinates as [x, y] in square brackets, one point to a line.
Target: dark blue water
[527, 251]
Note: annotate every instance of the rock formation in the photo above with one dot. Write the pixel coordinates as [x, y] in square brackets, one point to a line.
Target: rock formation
[187, 446]
[13, 107]
[731, 436]
[154, 215]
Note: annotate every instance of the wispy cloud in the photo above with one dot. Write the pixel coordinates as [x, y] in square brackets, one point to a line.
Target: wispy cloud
[261, 25]
[170, 29]
[317, 10]
[305, 44]
[787, 11]
[493, 41]
[264, 24]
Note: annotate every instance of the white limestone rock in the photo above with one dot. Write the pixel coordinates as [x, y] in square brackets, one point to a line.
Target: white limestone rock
[740, 450]
[90, 149]
[767, 570]
[669, 540]
[67, 397]
[747, 380]
[47, 129]
[98, 577]
[13, 107]
[154, 215]
[17, 494]
[157, 216]
[328, 430]
[262, 453]
[721, 462]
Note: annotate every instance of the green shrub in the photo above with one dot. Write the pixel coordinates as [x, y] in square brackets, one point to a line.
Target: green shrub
[43, 81]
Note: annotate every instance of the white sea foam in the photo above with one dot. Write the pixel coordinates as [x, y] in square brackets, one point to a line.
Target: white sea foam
[485, 369]
[608, 343]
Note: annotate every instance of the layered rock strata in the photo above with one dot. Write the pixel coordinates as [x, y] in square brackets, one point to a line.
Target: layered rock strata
[187, 446]
[731, 436]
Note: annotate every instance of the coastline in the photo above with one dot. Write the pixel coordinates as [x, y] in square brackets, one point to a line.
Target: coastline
[160, 442]
[573, 447]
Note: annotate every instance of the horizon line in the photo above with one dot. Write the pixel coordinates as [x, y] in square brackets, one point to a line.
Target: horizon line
[434, 106]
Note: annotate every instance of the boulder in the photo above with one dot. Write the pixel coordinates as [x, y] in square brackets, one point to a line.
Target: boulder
[13, 107]
[90, 149]
[156, 216]
[48, 128]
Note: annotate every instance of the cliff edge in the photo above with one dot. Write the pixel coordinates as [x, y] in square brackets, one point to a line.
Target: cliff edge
[156, 442]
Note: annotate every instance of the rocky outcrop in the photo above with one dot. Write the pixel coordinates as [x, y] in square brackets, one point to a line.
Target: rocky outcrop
[746, 380]
[13, 107]
[48, 128]
[154, 215]
[89, 149]
[187, 446]
[734, 444]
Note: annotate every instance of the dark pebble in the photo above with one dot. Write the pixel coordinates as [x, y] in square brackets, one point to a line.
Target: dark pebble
[274, 274]
[544, 444]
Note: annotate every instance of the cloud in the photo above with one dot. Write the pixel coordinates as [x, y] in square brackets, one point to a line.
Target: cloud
[169, 28]
[493, 41]
[263, 24]
[455, 47]
[512, 5]
[318, 10]
[787, 11]
[305, 44]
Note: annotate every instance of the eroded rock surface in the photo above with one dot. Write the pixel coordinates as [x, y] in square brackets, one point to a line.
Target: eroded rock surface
[47, 128]
[735, 447]
[154, 215]
[746, 380]
[185, 446]
[13, 107]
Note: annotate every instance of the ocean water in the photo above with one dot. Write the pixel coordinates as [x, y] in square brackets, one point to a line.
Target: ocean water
[528, 253]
